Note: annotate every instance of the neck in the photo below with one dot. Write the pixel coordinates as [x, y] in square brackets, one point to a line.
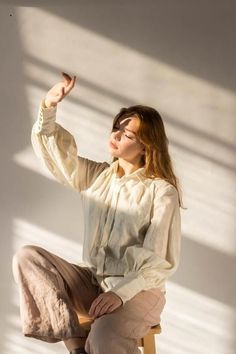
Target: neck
[126, 167]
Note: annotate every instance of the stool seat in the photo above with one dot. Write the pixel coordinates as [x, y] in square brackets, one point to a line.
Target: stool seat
[147, 342]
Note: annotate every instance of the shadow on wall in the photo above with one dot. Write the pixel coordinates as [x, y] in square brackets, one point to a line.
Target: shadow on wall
[181, 36]
[196, 37]
[192, 132]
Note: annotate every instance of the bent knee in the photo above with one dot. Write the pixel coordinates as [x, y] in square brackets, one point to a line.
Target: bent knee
[100, 327]
[18, 259]
[106, 327]
[24, 253]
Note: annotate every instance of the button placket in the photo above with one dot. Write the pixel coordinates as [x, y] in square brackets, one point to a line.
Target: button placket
[110, 218]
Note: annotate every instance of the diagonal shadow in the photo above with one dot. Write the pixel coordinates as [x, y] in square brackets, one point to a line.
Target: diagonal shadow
[193, 132]
[19, 187]
[188, 35]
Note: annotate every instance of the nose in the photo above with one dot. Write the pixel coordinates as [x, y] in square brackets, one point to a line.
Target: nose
[118, 134]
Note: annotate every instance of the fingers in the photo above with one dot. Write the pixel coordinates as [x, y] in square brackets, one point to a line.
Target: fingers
[62, 93]
[104, 303]
[69, 82]
[72, 83]
[66, 77]
[101, 310]
[73, 80]
[107, 308]
[99, 307]
[94, 306]
[111, 308]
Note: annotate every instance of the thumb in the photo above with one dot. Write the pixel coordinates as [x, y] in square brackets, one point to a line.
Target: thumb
[62, 93]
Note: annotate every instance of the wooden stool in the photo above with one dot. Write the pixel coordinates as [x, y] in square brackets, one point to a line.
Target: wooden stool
[147, 342]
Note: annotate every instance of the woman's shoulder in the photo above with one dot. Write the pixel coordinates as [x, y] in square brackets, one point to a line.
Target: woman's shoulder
[163, 186]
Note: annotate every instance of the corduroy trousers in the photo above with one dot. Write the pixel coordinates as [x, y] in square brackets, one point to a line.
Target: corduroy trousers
[54, 294]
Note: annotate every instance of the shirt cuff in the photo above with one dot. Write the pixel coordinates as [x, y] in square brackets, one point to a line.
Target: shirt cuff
[45, 123]
[129, 286]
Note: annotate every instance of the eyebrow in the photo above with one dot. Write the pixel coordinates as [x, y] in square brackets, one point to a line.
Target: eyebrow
[131, 131]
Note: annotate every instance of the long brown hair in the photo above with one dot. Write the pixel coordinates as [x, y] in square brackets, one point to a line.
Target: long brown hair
[151, 133]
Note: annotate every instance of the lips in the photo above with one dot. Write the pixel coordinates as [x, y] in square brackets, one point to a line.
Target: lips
[113, 145]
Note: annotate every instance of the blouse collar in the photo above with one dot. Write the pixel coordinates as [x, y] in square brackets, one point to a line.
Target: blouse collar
[114, 168]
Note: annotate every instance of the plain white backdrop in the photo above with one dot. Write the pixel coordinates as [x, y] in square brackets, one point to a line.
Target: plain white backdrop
[178, 57]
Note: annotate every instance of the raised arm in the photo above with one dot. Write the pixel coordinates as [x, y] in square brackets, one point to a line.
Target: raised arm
[57, 147]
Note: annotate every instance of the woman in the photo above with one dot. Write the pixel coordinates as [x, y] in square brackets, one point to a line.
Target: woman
[131, 242]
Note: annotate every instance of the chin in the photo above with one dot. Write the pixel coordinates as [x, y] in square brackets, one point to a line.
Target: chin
[113, 154]
[112, 151]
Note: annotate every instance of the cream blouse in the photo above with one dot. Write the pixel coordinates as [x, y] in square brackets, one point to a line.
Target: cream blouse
[132, 224]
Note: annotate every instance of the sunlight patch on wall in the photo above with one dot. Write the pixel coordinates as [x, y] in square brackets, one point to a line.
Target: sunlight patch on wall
[194, 323]
[25, 233]
[89, 124]
[123, 72]
[199, 116]
[26, 158]
[111, 74]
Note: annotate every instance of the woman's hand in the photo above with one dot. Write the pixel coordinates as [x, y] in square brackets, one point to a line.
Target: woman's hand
[105, 303]
[59, 91]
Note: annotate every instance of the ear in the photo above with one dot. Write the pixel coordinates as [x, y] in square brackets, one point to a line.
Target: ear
[143, 151]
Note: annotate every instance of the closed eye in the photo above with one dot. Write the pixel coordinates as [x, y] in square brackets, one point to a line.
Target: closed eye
[127, 136]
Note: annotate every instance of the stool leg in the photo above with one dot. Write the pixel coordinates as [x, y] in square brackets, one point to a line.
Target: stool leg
[149, 344]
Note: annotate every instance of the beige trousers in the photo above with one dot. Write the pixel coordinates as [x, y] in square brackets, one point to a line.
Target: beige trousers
[54, 294]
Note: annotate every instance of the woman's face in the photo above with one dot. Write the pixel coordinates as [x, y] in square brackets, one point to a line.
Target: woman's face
[123, 142]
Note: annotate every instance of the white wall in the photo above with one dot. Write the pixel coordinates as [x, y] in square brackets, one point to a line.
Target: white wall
[176, 56]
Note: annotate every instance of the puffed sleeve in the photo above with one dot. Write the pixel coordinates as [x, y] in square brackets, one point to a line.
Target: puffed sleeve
[56, 147]
[151, 263]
